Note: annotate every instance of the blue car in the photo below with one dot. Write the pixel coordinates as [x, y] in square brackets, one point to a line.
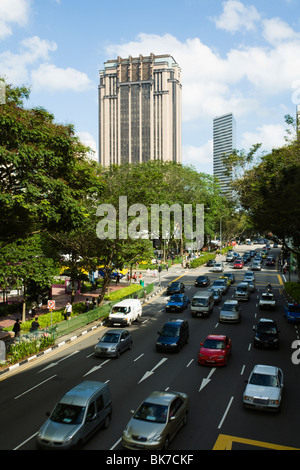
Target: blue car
[292, 313]
[177, 303]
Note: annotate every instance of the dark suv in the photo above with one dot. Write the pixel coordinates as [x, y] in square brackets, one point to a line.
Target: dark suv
[266, 334]
[175, 288]
[173, 336]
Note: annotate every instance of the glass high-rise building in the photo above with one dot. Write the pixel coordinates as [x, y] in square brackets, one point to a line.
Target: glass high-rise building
[224, 141]
[140, 110]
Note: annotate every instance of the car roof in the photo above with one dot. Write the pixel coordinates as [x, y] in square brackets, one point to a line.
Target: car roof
[161, 397]
[219, 337]
[175, 321]
[266, 320]
[267, 370]
[232, 302]
[81, 394]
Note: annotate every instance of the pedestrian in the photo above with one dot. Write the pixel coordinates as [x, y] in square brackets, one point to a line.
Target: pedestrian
[94, 303]
[16, 328]
[118, 278]
[99, 300]
[33, 307]
[87, 305]
[34, 325]
[68, 311]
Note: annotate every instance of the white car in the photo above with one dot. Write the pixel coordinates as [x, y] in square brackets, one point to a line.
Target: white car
[264, 388]
[267, 302]
[218, 268]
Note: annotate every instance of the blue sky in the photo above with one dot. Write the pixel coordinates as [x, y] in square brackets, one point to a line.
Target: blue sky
[236, 56]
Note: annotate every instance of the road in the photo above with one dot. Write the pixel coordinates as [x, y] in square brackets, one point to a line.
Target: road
[217, 418]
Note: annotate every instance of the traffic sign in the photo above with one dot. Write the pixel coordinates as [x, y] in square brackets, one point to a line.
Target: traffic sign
[51, 304]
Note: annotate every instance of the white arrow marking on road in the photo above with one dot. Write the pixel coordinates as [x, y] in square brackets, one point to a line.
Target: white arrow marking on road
[55, 363]
[206, 381]
[96, 368]
[148, 373]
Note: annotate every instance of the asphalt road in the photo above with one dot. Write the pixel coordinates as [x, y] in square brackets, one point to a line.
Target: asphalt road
[217, 418]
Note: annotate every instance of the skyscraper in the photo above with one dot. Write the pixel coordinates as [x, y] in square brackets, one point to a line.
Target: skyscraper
[140, 110]
[224, 129]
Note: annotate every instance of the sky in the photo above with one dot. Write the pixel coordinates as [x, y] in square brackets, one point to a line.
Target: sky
[235, 55]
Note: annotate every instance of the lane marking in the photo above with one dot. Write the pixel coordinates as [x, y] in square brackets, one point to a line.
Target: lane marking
[36, 386]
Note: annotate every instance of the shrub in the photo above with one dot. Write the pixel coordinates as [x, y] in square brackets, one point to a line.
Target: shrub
[125, 292]
[293, 290]
[23, 349]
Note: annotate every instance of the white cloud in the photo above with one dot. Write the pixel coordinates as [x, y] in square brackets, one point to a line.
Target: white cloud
[13, 12]
[89, 141]
[52, 78]
[15, 66]
[272, 136]
[277, 31]
[237, 17]
[199, 157]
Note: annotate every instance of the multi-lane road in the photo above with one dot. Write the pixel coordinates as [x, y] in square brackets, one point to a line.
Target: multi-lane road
[217, 419]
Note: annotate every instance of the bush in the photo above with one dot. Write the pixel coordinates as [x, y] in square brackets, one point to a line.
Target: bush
[124, 292]
[293, 290]
[202, 260]
[19, 351]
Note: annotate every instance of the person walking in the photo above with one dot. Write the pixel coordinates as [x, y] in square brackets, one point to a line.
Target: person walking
[68, 311]
[17, 328]
[34, 325]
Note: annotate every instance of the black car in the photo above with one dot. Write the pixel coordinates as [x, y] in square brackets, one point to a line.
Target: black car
[173, 336]
[211, 263]
[266, 334]
[175, 288]
[202, 281]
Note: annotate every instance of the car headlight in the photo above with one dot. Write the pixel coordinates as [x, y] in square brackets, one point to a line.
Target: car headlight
[155, 438]
[247, 398]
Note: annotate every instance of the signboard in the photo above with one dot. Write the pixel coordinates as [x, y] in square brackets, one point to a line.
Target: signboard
[51, 304]
[2, 351]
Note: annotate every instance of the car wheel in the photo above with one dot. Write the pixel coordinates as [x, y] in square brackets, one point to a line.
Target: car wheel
[107, 421]
[130, 345]
[118, 354]
[185, 419]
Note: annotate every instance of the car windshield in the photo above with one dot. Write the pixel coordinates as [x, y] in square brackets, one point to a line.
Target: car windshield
[152, 412]
[171, 331]
[267, 327]
[110, 338]
[294, 308]
[198, 301]
[242, 288]
[175, 285]
[219, 283]
[263, 380]
[214, 344]
[176, 298]
[67, 414]
[201, 278]
[229, 307]
[119, 310]
[267, 297]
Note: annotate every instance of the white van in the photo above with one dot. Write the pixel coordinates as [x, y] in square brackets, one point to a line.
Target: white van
[202, 304]
[125, 312]
[77, 415]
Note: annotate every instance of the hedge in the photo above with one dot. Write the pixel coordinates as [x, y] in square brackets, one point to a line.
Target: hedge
[202, 260]
[293, 290]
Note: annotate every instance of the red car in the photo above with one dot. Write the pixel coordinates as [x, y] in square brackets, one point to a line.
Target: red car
[215, 350]
[238, 264]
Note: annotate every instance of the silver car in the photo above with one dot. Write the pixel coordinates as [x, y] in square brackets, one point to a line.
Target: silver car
[264, 388]
[230, 312]
[156, 421]
[113, 343]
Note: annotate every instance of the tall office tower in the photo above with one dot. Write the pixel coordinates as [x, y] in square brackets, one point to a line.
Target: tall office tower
[140, 110]
[224, 128]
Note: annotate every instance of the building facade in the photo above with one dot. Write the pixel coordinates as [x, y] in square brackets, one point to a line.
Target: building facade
[224, 141]
[140, 110]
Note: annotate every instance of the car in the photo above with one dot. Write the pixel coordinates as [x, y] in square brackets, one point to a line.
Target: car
[221, 284]
[249, 275]
[156, 421]
[215, 350]
[217, 295]
[202, 281]
[266, 334]
[246, 257]
[264, 388]
[238, 264]
[229, 257]
[230, 312]
[113, 343]
[230, 276]
[242, 291]
[76, 417]
[256, 265]
[210, 263]
[177, 303]
[250, 283]
[267, 301]
[175, 288]
[125, 312]
[227, 279]
[270, 261]
[292, 313]
[218, 268]
[173, 335]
